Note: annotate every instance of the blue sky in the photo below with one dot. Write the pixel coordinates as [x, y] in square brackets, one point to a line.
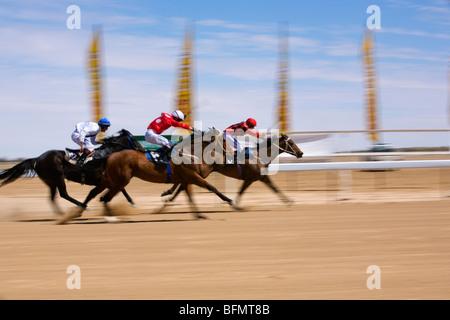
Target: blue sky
[44, 86]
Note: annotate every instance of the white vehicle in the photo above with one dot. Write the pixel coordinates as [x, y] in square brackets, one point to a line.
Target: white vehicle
[381, 153]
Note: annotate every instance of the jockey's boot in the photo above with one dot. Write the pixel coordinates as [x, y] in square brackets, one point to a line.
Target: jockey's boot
[164, 152]
[80, 160]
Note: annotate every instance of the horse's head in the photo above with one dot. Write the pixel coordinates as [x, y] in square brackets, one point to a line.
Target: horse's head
[287, 145]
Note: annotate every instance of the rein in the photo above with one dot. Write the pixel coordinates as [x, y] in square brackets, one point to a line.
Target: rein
[291, 151]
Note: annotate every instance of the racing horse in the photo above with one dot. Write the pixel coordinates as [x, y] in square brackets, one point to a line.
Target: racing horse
[246, 171]
[52, 167]
[121, 167]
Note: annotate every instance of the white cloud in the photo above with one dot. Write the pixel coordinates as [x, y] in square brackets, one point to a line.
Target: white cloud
[418, 33]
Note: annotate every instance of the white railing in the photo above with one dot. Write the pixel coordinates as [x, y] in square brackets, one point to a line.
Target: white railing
[361, 165]
[345, 169]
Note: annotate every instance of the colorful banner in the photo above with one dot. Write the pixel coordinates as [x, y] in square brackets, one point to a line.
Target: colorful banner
[184, 85]
[368, 60]
[95, 75]
[283, 78]
[448, 91]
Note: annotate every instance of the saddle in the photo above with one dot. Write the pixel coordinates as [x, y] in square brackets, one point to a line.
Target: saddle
[232, 158]
[72, 156]
[162, 155]
[158, 157]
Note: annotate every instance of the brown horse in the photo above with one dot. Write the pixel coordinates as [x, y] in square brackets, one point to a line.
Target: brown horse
[249, 172]
[53, 168]
[122, 166]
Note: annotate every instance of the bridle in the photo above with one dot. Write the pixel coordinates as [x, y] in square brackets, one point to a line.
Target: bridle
[289, 149]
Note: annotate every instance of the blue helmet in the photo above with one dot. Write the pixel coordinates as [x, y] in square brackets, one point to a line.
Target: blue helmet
[104, 122]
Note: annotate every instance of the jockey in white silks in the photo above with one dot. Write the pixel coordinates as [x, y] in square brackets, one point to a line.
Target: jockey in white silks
[85, 135]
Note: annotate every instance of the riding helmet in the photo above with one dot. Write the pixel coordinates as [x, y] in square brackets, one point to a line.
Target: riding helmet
[104, 122]
[251, 122]
[178, 115]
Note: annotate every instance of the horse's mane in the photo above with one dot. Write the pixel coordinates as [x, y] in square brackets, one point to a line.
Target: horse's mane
[265, 143]
[116, 135]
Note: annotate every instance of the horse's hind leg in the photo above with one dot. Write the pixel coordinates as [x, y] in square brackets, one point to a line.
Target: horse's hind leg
[55, 206]
[181, 188]
[61, 185]
[170, 191]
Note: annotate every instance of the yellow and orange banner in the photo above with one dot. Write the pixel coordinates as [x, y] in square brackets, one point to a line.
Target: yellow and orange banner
[95, 75]
[448, 91]
[183, 100]
[283, 78]
[368, 60]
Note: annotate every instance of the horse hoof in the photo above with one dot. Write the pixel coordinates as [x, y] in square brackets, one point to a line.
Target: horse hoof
[199, 217]
[290, 203]
[68, 217]
[238, 208]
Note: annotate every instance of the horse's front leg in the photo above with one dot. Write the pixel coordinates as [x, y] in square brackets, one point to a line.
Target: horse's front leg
[197, 213]
[127, 196]
[272, 186]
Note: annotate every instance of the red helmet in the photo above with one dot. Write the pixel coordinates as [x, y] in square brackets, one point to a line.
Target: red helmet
[251, 122]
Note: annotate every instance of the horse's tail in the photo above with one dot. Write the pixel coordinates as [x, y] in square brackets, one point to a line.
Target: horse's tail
[25, 168]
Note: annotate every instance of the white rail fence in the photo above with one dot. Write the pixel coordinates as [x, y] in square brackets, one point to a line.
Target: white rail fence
[358, 165]
[345, 169]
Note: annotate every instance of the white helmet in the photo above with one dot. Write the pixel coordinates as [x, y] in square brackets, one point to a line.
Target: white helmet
[178, 115]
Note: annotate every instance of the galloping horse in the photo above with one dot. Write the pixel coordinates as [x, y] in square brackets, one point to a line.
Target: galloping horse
[249, 172]
[121, 166]
[53, 167]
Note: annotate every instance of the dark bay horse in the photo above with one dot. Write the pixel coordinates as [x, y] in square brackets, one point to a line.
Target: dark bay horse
[249, 172]
[52, 168]
[121, 167]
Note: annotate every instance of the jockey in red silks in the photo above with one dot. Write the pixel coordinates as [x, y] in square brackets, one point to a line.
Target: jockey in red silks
[240, 129]
[161, 124]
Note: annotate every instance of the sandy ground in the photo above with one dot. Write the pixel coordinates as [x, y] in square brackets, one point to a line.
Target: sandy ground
[319, 248]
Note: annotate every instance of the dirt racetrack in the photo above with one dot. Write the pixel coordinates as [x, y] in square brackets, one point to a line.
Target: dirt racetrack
[319, 248]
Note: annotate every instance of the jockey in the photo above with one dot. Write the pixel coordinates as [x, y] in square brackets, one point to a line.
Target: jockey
[239, 129]
[161, 124]
[85, 136]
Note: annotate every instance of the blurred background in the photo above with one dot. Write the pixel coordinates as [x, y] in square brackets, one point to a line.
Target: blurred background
[256, 59]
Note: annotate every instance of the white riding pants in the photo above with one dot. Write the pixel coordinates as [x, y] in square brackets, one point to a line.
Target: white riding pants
[233, 142]
[88, 141]
[152, 137]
